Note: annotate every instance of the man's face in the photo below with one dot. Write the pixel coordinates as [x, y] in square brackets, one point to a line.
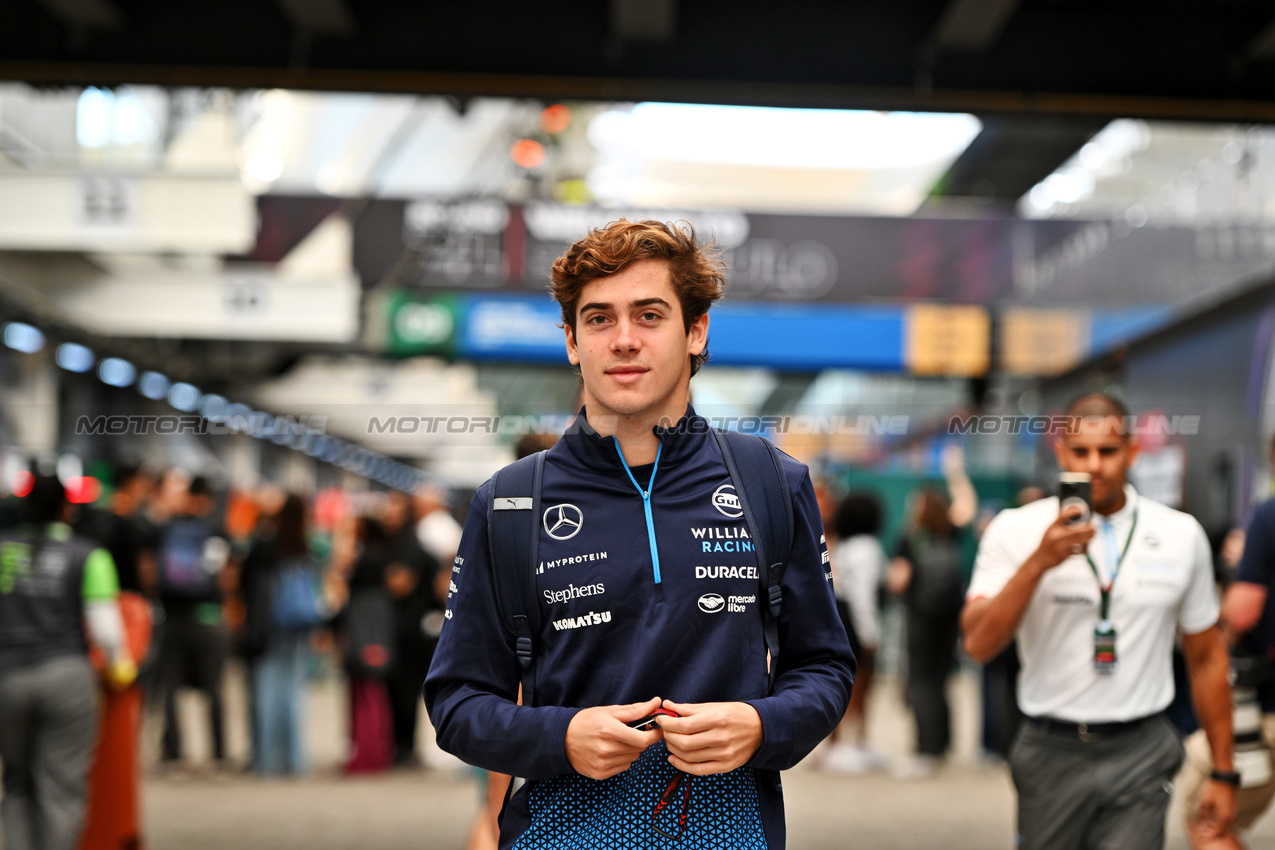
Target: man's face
[1098, 447]
[631, 345]
[135, 489]
[396, 513]
[198, 505]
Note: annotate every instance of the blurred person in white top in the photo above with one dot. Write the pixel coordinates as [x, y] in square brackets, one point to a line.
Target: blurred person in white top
[438, 532]
[1094, 761]
[859, 565]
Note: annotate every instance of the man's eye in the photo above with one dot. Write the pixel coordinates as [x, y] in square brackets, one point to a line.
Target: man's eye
[595, 319]
[650, 316]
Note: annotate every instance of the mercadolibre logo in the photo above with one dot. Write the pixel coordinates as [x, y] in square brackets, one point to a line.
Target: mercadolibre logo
[562, 522]
[711, 603]
[726, 502]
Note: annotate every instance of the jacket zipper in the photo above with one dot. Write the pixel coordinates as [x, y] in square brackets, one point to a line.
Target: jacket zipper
[646, 502]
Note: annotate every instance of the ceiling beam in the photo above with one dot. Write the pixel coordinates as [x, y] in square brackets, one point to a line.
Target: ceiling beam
[973, 25]
[1263, 46]
[644, 20]
[549, 88]
[86, 14]
[319, 17]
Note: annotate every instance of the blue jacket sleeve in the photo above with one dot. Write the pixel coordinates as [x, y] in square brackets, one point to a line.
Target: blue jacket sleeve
[816, 667]
[1256, 563]
[471, 691]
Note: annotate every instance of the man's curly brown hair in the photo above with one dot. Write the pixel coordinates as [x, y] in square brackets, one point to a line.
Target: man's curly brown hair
[697, 272]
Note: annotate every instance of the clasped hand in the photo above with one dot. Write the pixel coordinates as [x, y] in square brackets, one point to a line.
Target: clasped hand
[706, 738]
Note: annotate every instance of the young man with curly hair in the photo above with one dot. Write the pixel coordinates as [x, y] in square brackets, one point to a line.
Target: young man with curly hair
[650, 593]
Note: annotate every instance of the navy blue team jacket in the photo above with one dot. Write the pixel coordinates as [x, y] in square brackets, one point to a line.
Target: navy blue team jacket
[642, 596]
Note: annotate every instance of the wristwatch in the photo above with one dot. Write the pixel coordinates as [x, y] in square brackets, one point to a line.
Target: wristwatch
[1229, 777]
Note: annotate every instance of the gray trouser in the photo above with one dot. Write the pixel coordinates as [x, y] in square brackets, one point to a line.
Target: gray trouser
[48, 728]
[1111, 793]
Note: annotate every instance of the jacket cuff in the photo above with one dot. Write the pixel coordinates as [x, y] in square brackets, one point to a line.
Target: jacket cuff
[775, 751]
[556, 739]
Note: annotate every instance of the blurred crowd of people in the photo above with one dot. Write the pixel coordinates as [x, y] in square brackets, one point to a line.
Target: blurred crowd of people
[274, 578]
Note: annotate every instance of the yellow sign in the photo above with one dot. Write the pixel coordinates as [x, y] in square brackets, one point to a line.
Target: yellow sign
[1042, 342]
[947, 340]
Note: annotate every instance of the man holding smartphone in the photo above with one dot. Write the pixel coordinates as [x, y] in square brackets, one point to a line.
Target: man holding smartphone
[651, 593]
[1095, 607]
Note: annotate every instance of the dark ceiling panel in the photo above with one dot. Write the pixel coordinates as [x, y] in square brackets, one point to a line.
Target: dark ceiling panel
[973, 25]
[31, 27]
[85, 14]
[1178, 58]
[1013, 154]
[1138, 47]
[325, 17]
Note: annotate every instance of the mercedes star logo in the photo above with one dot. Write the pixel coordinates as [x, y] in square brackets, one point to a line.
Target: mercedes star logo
[562, 522]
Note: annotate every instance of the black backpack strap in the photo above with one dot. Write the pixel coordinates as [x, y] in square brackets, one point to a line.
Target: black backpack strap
[513, 512]
[766, 502]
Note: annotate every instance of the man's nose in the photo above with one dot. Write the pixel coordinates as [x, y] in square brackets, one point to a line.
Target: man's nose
[624, 339]
[1093, 461]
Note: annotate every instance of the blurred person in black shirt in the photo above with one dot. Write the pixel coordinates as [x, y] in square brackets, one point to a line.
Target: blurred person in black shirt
[366, 627]
[929, 572]
[125, 532]
[192, 556]
[409, 576]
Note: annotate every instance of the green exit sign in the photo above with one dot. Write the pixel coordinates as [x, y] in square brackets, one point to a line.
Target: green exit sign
[415, 325]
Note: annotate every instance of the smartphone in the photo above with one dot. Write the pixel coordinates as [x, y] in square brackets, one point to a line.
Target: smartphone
[646, 724]
[1076, 489]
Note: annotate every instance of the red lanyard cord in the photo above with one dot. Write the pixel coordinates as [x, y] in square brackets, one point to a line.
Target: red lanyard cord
[683, 779]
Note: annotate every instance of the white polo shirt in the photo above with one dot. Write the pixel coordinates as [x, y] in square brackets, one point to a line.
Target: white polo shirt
[1165, 582]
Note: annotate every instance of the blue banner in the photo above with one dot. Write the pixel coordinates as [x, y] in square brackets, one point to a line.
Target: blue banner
[525, 328]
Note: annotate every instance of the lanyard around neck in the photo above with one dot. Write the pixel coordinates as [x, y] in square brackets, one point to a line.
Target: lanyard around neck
[1106, 590]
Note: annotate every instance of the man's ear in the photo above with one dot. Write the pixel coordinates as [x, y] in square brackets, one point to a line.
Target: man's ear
[573, 354]
[697, 337]
[1133, 447]
[1060, 452]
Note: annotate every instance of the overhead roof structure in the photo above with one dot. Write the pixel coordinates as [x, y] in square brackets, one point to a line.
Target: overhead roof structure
[1042, 75]
[1207, 59]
